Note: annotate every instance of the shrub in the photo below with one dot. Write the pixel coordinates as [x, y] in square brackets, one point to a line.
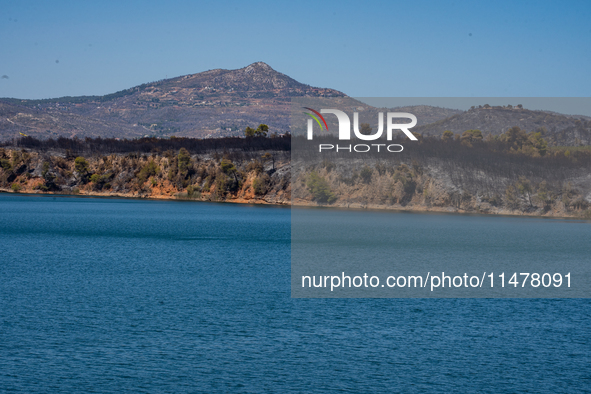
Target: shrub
[100, 181]
[221, 185]
[228, 167]
[320, 189]
[81, 165]
[5, 164]
[184, 161]
[45, 169]
[95, 178]
[447, 136]
[404, 175]
[470, 137]
[259, 185]
[15, 187]
[366, 174]
[82, 168]
[255, 166]
[150, 169]
[193, 191]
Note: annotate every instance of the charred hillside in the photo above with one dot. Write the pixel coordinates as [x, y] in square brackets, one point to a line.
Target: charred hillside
[558, 129]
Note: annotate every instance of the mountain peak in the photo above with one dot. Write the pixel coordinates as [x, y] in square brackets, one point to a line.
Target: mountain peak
[258, 66]
[257, 80]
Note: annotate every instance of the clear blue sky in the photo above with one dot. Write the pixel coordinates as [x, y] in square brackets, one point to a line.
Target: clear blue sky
[407, 48]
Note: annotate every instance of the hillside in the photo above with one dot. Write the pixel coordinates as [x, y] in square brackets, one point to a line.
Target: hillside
[557, 128]
[209, 104]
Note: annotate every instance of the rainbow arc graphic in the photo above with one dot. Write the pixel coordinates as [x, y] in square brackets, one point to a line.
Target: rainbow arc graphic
[315, 116]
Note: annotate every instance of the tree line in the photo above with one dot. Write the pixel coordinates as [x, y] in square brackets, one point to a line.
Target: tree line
[77, 146]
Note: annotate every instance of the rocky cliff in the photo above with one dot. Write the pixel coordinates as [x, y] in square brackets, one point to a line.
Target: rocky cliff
[258, 177]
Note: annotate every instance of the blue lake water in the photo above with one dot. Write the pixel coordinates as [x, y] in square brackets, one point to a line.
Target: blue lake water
[109, 295]
[553, 254]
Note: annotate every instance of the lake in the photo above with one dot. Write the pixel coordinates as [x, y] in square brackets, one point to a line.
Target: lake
[114, 295]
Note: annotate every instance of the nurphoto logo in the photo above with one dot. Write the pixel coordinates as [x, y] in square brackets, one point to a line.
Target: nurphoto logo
[345, 130]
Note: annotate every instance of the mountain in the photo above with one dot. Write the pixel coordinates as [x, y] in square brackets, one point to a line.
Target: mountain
[219, 103]
[209, 104]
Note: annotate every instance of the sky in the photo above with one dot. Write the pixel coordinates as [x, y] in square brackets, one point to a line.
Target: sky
[365, 49]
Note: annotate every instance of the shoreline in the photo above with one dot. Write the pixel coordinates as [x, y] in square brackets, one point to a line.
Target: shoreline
[304, 204]
[129, 196]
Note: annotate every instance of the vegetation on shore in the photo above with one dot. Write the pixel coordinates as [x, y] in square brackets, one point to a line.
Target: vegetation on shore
[251, 173]
[513, 173]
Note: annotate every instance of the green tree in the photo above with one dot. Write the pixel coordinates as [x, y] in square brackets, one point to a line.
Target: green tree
[249, 132]
[470, 137]
[261, 131]
[81, 165]
[514, 137]
[538, 143]
[150, 169]
[229, 169]
[184, 161]
[180, 168]
[320, 189]
[101, 181]
[82, 168]
[5, 164]
[447, 136]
